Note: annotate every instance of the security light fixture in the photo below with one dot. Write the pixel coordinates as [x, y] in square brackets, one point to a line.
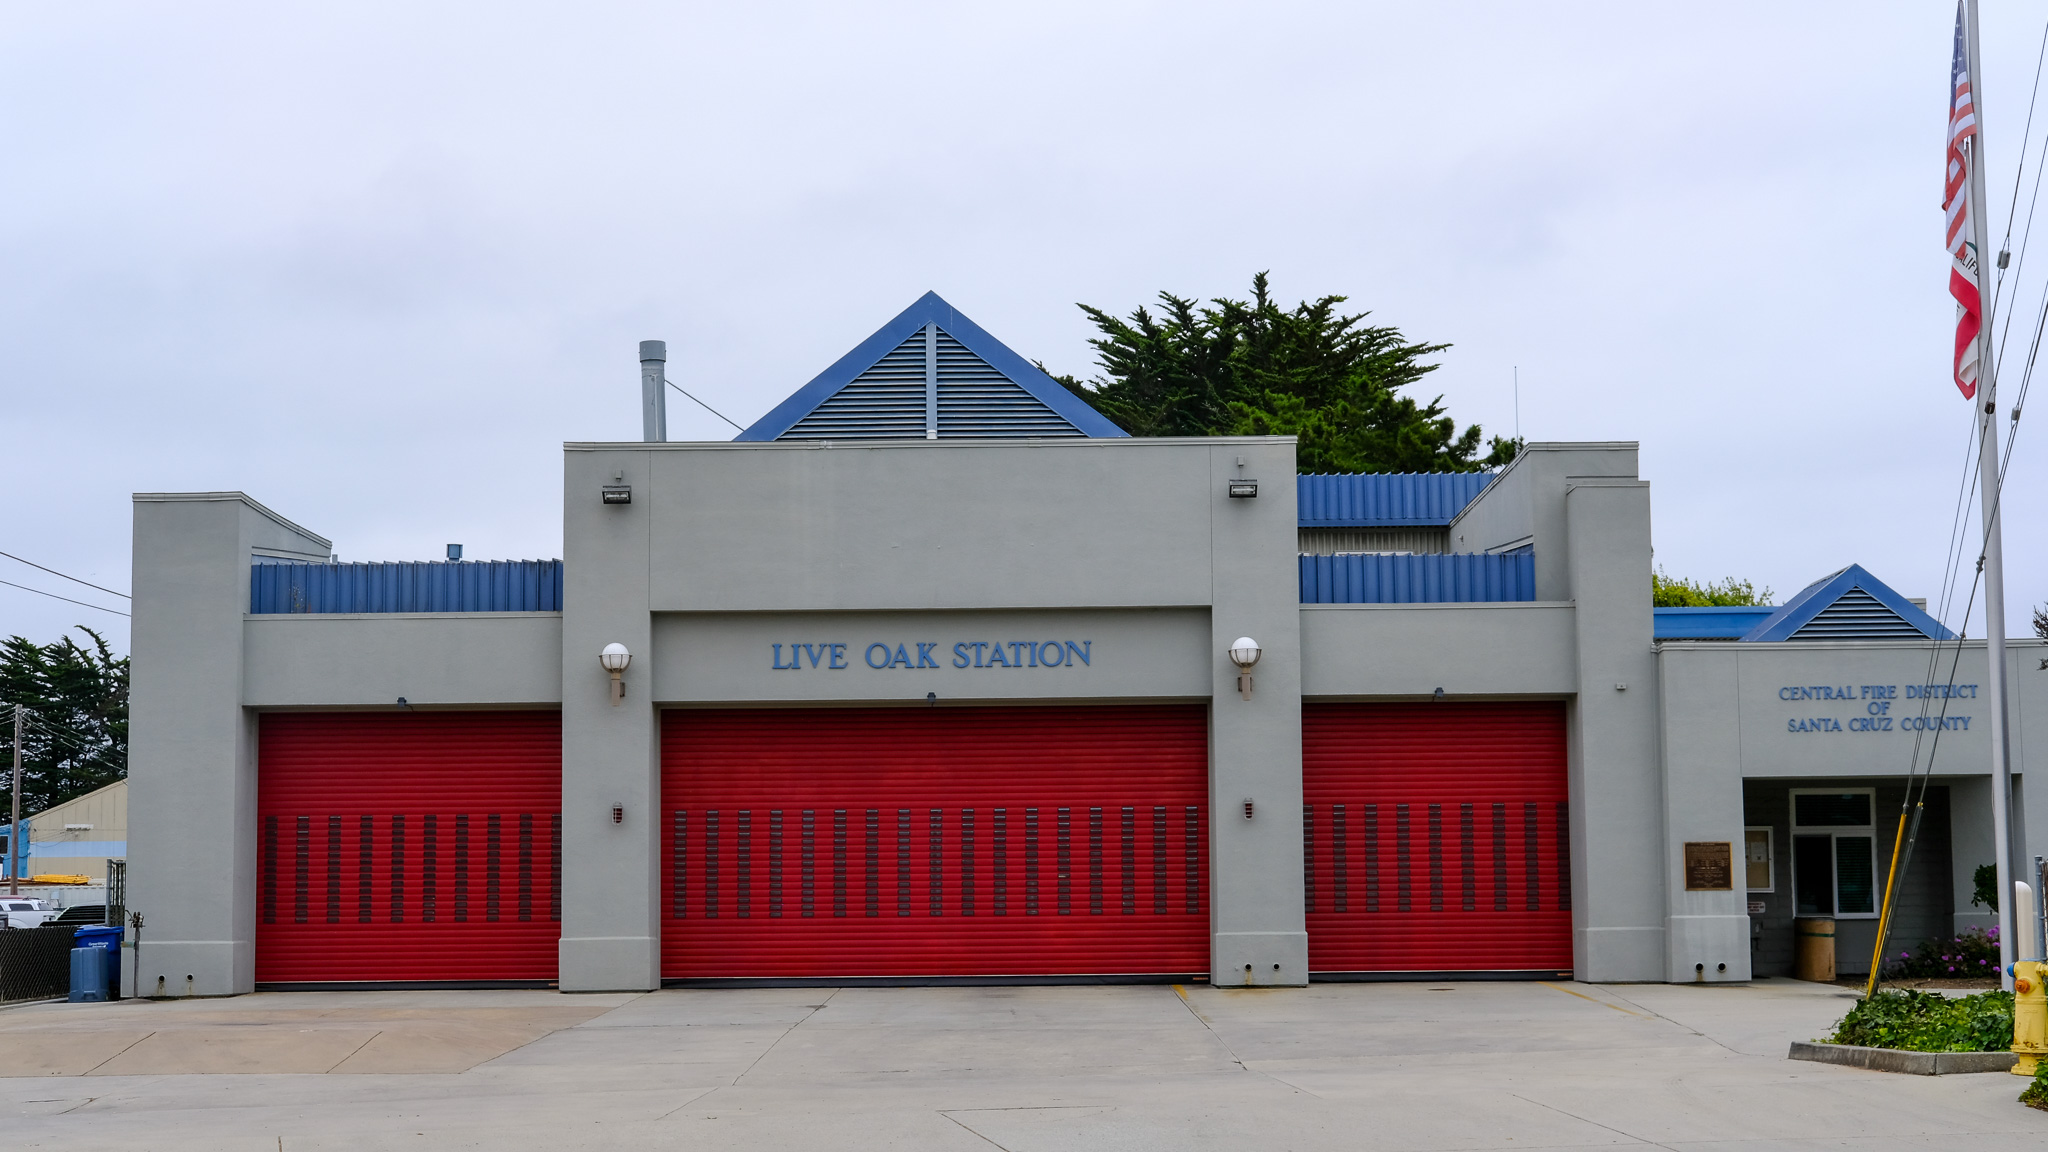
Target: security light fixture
[1244, 652]
[1244, 489]
[614, 659]
[618, 493]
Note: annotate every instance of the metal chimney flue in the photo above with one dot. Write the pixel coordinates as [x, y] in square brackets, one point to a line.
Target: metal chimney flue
[653, 391]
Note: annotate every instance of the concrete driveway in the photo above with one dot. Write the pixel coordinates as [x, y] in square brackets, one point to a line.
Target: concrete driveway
[1334, 1066]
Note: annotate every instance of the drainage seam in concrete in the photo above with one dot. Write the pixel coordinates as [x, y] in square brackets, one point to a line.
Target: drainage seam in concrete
[1594, 1123]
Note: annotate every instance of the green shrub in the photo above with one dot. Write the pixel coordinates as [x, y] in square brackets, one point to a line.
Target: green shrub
[1929, 1022]
[2036, 1093]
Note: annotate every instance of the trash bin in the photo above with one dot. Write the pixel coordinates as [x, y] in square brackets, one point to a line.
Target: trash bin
[106, 938]
[1813, 949]
[88, 975]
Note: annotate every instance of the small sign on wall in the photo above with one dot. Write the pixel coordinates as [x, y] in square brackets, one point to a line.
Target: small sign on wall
[1709, 866]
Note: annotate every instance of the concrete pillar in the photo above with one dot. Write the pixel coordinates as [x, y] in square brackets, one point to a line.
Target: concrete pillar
[1618, 875]
[1255, 884]
[1969, 838]
[1707, 932]
[611, 938]
[192, 745]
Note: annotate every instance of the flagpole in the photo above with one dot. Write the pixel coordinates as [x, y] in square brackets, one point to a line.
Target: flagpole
[1994, 544]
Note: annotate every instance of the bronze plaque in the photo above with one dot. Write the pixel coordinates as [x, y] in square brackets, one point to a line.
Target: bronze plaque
[1709, 866]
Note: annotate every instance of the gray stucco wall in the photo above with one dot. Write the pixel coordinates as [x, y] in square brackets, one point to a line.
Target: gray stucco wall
[446, 658]
[1734, 743]
[1414, 649]
[192, 754]
[727, 549]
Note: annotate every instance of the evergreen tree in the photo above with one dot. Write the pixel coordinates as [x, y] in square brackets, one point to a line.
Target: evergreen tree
[76, 738]
[1253, 368]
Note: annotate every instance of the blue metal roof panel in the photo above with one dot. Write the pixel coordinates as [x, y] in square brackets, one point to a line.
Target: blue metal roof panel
[1386, 499]
[1706, 623]
[1820, 595]
[1418, 578]
[931, 309]
[279, 587]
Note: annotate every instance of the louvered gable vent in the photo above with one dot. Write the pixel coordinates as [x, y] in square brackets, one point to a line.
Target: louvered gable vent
[885, 402]
[931, 373]
[977, 400]
[1857, 615]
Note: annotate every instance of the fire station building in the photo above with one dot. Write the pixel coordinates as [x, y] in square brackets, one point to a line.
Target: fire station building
[935, 675]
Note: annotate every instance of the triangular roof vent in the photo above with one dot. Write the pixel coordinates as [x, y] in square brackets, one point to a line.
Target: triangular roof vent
[930, 374]
[1849, 605]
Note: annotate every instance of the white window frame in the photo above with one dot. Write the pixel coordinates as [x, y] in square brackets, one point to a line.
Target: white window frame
[1771, 840]
[1833, 831]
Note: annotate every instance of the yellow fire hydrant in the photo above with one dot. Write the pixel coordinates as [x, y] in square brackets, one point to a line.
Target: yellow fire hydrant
[2029, 1016]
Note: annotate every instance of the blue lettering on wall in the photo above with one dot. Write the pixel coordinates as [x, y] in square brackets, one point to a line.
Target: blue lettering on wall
[882, 655]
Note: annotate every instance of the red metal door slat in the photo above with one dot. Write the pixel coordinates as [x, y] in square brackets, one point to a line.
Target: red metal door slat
[816, 843]
[408, 846]
[1436, 837]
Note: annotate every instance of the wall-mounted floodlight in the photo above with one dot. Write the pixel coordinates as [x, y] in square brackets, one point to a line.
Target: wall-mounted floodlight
[1244, 652]
[617, 493]
[614, 659]
[1244, 489]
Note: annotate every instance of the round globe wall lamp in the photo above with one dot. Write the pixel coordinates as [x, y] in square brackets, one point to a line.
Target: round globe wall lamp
[1244, 652]
[614, 659]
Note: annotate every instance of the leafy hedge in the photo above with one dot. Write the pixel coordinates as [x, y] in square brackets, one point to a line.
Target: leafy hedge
[1929, 1022]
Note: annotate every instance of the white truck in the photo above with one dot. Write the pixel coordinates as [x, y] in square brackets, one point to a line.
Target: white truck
[23, 912]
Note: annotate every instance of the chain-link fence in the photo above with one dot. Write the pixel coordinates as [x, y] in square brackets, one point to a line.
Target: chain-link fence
[35, 963]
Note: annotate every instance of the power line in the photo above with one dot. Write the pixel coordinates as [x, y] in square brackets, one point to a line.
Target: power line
[700, 404]
[66, 599]
[73, 579]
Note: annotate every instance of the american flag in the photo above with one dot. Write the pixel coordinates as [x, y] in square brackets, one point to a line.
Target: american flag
[1962, 250]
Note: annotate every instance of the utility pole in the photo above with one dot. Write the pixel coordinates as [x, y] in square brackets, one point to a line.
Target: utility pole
[1993, 556]
[14, 829]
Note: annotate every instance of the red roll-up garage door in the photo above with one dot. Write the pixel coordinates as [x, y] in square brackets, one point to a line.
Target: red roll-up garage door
[1436, 838]
[409, 847]
[937, 842]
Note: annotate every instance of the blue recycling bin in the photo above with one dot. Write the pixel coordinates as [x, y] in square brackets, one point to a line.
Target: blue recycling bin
[88, 975]
[103, 938]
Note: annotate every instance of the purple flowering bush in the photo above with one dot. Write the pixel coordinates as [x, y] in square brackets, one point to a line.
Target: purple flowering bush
[1973, 952]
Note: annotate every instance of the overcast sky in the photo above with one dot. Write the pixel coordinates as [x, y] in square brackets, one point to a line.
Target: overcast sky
[373, 264]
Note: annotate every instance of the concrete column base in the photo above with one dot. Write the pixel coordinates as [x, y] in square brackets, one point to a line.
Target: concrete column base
[214, 968]
[610, 964]
[1700, 945]
[1258, 959]
[1620, 955]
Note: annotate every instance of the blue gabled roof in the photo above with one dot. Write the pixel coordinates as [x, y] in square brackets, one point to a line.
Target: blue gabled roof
[1385, 499]
[931, 309]
[1851, 604]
